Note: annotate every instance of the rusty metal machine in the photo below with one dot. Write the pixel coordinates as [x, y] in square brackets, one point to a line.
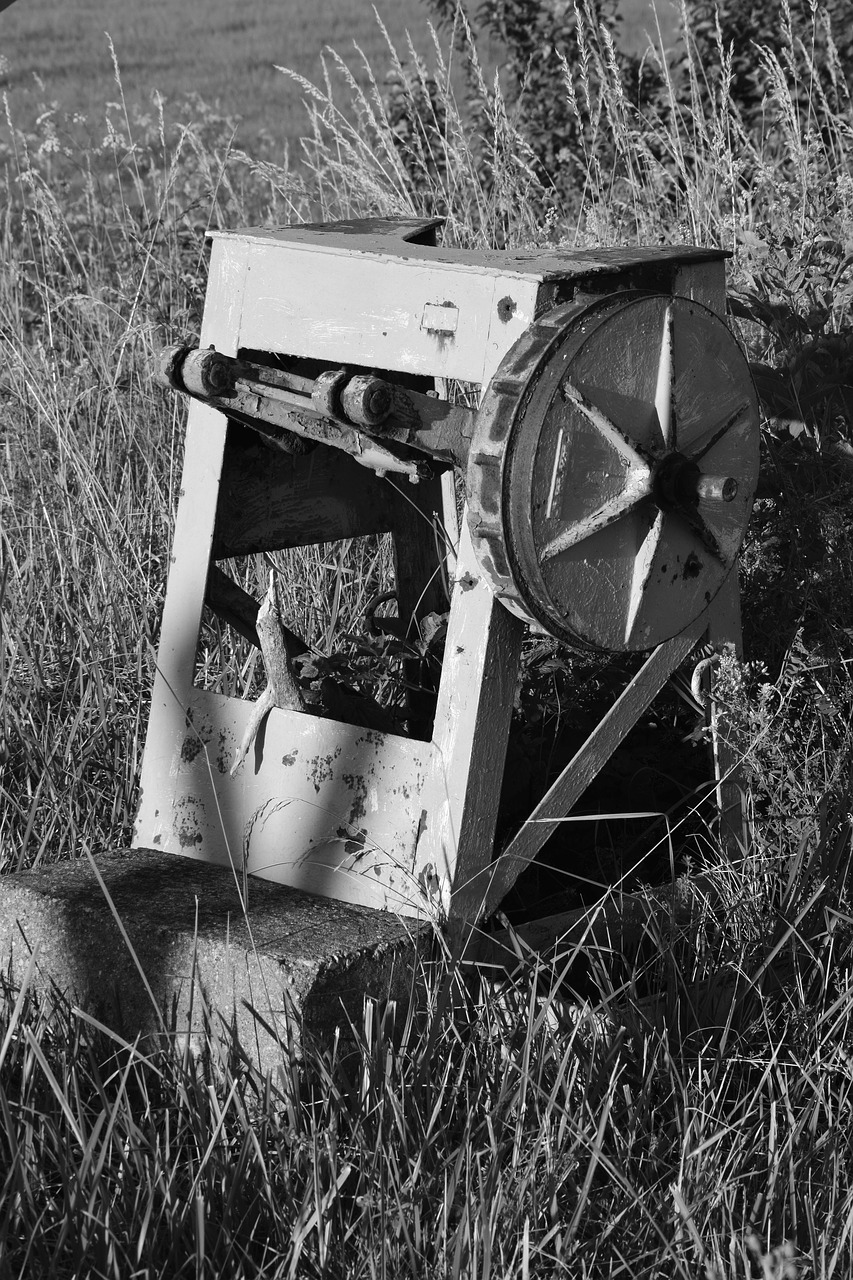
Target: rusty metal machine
[609, 471]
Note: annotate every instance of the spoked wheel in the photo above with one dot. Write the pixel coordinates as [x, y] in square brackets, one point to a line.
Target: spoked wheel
[613, 468]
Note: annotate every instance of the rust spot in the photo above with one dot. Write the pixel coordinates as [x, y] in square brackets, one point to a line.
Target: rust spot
[506, 309]
[290, 758]
[692, 566]
[467, 582]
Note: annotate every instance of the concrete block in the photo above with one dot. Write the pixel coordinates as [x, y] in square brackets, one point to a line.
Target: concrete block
[299, 960]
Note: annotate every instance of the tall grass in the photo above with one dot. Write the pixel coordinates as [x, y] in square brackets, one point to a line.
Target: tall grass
[680, 1111]
[505, 1130]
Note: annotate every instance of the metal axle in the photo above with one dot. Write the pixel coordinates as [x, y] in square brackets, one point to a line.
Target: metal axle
[375, 421]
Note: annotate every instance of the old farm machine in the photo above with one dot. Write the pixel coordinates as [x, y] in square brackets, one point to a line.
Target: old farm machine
[609, 470]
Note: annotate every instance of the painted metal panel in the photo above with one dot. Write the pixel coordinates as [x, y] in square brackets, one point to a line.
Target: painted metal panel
[323, 806]
[380, 310]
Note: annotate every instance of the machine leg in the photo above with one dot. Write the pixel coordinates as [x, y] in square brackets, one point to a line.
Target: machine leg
[460, 805]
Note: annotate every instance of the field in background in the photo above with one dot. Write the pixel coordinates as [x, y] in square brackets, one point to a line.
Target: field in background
[223, 52]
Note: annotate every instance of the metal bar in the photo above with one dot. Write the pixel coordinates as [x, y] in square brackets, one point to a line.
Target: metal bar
[270, 416]
[267, 391]
[272, 377]
[586, 764]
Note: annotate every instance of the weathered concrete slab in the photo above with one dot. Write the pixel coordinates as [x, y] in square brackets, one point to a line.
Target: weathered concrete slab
[298, 960]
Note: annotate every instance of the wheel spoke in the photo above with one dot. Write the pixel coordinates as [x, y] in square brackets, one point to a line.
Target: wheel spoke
[697, 449]
[663, 390]
[636, 491]
[694, 521]
[672, 566]
[604, 426]
[642, 568]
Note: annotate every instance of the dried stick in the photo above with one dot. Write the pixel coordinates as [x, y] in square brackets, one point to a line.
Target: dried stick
[282, 689]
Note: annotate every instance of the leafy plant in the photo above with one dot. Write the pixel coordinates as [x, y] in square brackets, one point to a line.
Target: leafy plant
[734, 43]
[553, 55]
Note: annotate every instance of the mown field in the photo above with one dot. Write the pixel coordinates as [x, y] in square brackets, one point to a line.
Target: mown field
[681, 1110]
[225, 53]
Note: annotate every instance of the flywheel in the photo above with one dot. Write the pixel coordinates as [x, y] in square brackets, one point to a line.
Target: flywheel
[612, 469]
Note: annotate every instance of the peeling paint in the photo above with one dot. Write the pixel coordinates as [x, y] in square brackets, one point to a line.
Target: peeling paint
[356, 845]
[188, 834]
[356, 784]
[358, 809]
[692, 566]
[190, 747]
[322, 771]
[223, 755]
[429, 881]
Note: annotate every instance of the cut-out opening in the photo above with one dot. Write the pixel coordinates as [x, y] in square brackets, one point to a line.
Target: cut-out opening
[358, 565]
